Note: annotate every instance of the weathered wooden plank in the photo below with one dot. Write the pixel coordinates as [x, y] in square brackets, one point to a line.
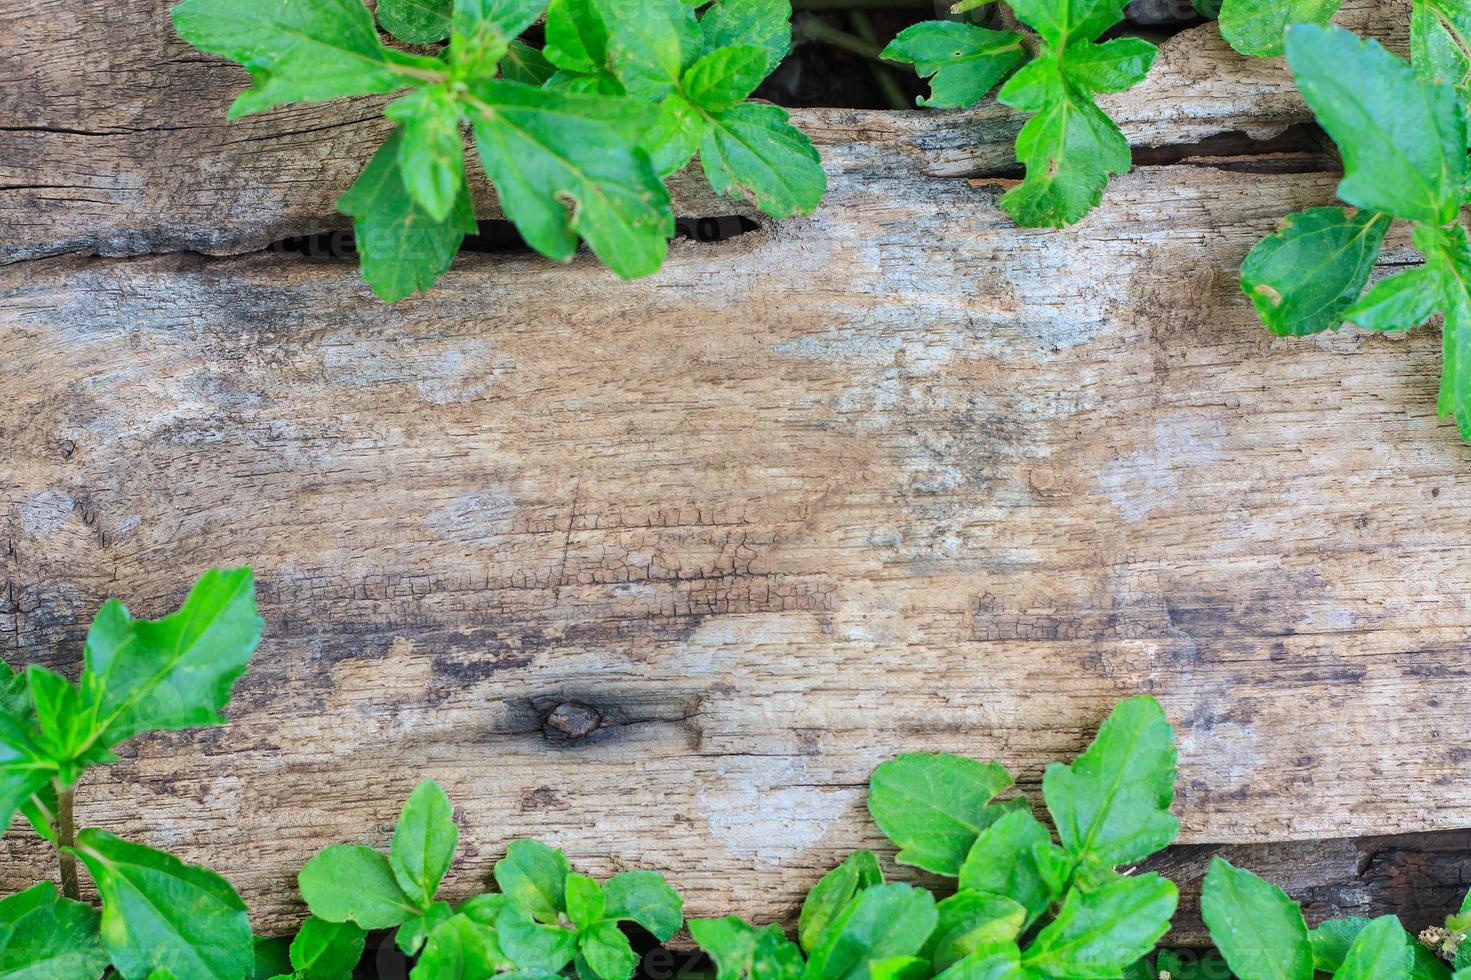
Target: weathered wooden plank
[113, 141]
[1422, 878]
[897, 476]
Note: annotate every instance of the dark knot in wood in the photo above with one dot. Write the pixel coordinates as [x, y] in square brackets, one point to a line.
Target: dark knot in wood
[571, 720]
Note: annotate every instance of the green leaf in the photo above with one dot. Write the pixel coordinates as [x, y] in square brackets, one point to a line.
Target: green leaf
[1304, 278]
[1113, 803]
[741, 951]
[25, 770]
[724, 78]
[970, 921]
[40, 809]
[532, 945]
[1438, 33]
[765, 23]
[646, 898]
[650, 44]
[459, 948]
[431, 149]
[933, 806]
[900, 968]
[1098, 933]
[402, 250]
[534, 876]
[674, 137]
[353, 883]
[1403, 138]
[66, 729]
[962, 61]
[46, 937]
[1000, 961]
[1332, 939]
[325, 950]
[1069, 147]
[160, 913]
[298, 50]
[882, 922]
[1064, 24]
[414, 931]
[174, 672]
[752, 150]
[585, 900]
[1448, 257]
[424, 842]
[1400, 302]
[272, 957]
[544, 149]
[831, 894]
[482, 32]
[15, 692]
[415, 21]
[1016, 857]
[1381, 950]
[607, 950]
[577, 37]
[1257, 928]
[526, 65]
[1256, 27]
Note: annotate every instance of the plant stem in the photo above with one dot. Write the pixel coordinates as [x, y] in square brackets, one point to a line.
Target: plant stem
[882, 77]
[66, 837]
[817, 29]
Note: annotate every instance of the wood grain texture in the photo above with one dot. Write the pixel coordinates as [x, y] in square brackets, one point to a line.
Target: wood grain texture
[113, 139]
[897, 476]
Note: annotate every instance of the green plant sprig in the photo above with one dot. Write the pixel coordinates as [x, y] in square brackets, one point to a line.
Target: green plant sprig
[138, 676]
[1069, 146]
[577, 138]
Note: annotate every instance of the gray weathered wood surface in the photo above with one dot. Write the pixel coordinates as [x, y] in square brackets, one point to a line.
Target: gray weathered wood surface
[896, 476]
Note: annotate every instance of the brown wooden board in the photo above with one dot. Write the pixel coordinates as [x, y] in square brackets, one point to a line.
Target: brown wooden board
[661, 570]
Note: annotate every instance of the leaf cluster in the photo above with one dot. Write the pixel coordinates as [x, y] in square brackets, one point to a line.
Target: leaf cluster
[160, 918]
[544, 919]
[1069, 146]
[1262, 935]
[1026, 905]
[577, 137]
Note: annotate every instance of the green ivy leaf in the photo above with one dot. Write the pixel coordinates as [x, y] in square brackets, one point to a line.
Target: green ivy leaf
[1403, 138]
[415, 21]
[1099, 932]
[353, 883]
[962, 61]
[743, 952]
[544, 149]
[534, 876]
[46, 937]
[646, 898]
[752, 150]
[174, 672]
[1016, 857]
[1304, 278]
[933, 806]
[1112, 805]
[1256, 27]
[1257, 928]
[325, 950]
[298, 50]
[414, 931]
[882, 922]
[606, 950]
[971, 921]
[401, 249]
[424, 842]
[160, 913]
[765, 23]
[833, 893]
